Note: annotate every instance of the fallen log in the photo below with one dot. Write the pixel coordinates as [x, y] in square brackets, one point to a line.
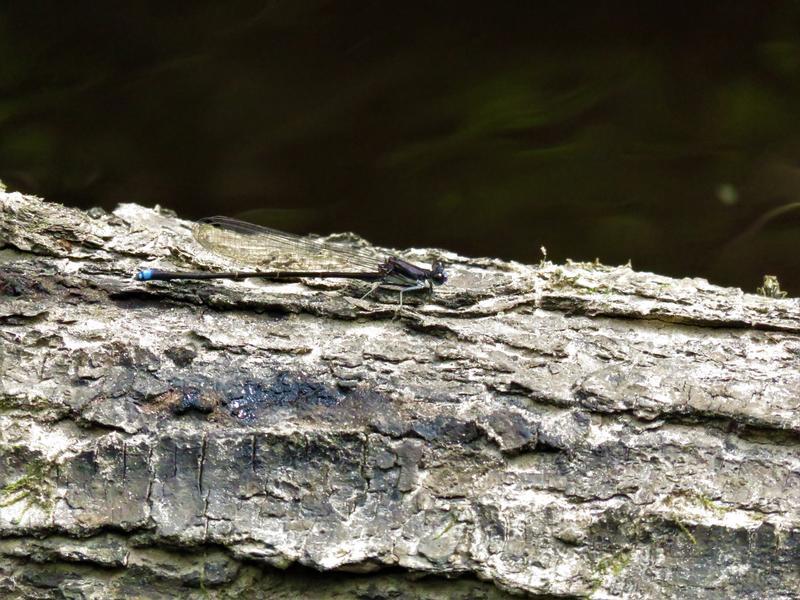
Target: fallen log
[572, 430]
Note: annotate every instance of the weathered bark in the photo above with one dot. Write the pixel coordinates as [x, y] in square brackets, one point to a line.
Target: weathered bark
[573, 431]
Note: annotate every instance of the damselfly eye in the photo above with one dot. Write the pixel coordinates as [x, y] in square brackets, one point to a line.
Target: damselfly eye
[437, 273]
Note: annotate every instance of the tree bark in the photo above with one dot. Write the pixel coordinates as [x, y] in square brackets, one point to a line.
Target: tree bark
[571, 430]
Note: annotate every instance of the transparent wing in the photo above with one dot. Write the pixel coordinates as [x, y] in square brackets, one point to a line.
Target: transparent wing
[257, 245]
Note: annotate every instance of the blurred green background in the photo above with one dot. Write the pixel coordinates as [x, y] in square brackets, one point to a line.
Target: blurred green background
[664, 133]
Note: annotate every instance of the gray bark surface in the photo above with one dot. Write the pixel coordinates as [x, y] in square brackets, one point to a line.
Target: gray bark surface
[571, 431]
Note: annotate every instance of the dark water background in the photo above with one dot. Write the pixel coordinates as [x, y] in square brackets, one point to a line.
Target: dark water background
[664, 133]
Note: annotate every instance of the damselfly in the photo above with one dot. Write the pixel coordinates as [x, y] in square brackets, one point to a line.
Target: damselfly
[291, 256]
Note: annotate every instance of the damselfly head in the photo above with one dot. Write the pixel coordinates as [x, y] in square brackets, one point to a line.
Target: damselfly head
[437, 273]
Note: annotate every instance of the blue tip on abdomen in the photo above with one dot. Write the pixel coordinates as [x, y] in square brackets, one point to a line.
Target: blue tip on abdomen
[145, 275]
